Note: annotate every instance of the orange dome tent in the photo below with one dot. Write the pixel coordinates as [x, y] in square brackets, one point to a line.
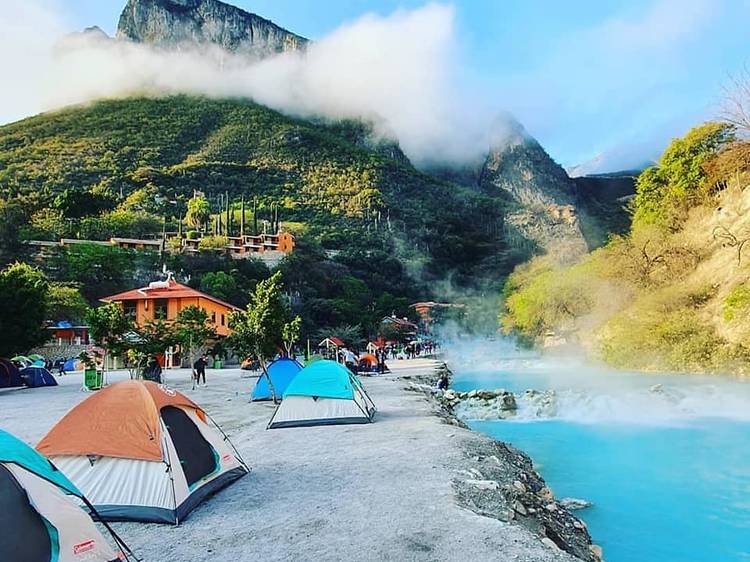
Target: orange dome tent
[141, 451]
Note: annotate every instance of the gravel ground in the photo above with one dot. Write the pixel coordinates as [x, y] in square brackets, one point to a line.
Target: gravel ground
[381, 491]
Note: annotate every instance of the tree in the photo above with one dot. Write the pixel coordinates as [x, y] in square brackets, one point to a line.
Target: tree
[109, 328]
[258, 331]
[736, 104]
[665, 191]
[290, 334]
[100, 270]
[74, 203]
[198, 212]
[153, 338]
[23, 301]
[66, 303]
[221, 285]
[193, 328]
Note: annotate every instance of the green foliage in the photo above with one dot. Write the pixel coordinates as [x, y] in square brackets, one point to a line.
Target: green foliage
[109, 328]
[66, 303]
[350, 334]
[545, 298]
[100, 270]
[198, 212]
[213, 243]
[258, 331]
[678, 182]
[736, 302]
[155, 337]
[192, 329]
[74, 203]
[23, 300]
[12, 218]
[290, 334]
[348, 191]
[665, 332]
[221, 285]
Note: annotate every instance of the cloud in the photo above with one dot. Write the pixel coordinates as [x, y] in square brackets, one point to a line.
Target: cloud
[397, 71]
[618, 81]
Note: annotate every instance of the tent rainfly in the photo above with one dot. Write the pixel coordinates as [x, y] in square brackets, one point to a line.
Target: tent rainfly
[9, 375]
[40, 516]
[323, 393]
[37, 376]
[142, 451]
[281, 371]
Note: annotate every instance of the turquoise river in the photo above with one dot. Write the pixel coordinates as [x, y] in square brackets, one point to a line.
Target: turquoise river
[664, 459]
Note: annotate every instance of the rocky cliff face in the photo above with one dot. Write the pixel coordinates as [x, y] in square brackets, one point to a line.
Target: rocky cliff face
[176, 23]
[543, 196]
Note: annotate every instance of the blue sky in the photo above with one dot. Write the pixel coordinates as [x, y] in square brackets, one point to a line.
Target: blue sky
[584, 76]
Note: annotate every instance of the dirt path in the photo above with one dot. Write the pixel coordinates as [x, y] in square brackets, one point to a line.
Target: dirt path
[359, 492]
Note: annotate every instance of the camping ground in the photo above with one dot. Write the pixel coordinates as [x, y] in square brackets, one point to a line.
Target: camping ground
[381, 491]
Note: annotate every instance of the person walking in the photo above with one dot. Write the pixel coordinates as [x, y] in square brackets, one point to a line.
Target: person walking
[199, 369]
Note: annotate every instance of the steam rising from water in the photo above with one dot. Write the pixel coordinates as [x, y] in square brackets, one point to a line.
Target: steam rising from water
[582, 393]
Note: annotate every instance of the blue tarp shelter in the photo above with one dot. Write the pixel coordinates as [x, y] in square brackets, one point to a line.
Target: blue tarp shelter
[70, 365]
[10, 376]
[281, 371]
[37, 376]
[324, 393]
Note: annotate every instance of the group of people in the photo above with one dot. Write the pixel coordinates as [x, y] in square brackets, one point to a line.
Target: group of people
[410, 350]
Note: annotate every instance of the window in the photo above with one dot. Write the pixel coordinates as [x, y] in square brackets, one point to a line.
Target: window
[129, 308]
[222, 320]
[213, 317]
[160, 309]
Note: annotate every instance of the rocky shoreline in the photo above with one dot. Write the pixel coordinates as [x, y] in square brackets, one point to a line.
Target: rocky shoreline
[498, 481]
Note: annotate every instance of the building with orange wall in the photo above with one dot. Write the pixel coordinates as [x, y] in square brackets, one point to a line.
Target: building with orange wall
[163, 300]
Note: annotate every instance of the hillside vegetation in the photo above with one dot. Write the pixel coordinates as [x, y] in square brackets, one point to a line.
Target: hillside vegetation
[374, 234]
[340, 185]
[673, 294]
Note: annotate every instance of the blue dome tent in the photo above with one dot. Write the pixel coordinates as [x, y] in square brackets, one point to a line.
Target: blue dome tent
[281, 371]
[39, 518]
[37, 376]
[323, 393]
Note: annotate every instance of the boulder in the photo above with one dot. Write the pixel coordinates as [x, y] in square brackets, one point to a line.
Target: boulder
[483, 484]
[573, 504]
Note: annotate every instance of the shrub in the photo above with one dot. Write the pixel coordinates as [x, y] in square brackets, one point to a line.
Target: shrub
[736, 301]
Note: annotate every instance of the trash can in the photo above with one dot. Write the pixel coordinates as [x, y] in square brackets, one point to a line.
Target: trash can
[218, 364]
[92, 379]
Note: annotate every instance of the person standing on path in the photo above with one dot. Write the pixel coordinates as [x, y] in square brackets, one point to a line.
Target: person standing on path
[200, 369]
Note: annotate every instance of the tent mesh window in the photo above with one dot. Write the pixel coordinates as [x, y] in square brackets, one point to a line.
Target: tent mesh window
[196, 454]
[25, 535]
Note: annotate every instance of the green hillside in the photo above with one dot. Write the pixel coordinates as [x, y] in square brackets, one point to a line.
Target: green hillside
[340, 186]
[671, 294]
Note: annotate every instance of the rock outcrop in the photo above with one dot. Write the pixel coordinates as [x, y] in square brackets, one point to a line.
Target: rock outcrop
[543, 197]
[178, 23]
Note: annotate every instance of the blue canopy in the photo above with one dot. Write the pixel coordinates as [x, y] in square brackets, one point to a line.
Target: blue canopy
[281, 371]
[15, 451]
[37, 376]
[323, 379]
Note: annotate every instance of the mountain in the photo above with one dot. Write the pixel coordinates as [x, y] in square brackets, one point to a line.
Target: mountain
[180, 23]
[539, 197]
[340, 188]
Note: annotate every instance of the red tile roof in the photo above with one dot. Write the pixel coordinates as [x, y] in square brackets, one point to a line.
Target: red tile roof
[175, 290]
